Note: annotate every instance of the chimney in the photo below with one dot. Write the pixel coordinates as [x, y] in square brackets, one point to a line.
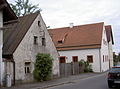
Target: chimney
[71, 25]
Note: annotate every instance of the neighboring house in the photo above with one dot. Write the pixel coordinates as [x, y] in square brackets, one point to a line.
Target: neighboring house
[24, 38]
[84, 42]
[110, 43]
[6, 14]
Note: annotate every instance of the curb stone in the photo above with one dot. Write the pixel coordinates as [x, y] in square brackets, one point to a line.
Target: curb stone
[53, 85]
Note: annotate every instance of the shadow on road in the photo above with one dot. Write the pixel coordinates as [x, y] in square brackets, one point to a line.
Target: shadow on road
[115, 88]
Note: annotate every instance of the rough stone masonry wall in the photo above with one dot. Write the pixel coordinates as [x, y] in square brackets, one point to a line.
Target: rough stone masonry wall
[27, 50]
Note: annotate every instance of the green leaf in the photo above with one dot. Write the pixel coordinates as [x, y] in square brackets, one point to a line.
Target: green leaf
[22, 7]
[43, 67]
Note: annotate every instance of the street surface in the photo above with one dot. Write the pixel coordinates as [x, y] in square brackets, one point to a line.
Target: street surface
[94, 82]
[81, 81]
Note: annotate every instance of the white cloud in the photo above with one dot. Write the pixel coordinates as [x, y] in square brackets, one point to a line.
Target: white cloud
[59, 13]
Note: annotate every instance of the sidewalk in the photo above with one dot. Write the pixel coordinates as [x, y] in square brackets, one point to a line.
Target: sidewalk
[54, 82]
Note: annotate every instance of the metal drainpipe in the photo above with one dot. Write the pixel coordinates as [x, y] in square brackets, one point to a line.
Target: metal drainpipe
[100, 59]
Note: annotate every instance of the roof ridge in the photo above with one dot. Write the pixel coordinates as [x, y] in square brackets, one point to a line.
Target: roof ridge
[87, 34]
[37, 12]
[78, 25]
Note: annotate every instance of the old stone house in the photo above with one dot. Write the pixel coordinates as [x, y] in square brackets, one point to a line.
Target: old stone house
[24, 38]
[85, 42]
[6, 14]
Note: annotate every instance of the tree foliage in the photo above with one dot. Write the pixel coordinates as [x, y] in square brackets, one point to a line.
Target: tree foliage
[43, 67]
[23, 7]
[86, 66]
[116, 58]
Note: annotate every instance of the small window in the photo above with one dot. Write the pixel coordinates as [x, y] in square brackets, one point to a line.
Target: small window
[27, 67]
[75, 58]
[60, 42]
[103, 58]
[39, 24]
[35, 40]
[43, 42]
[90, 59]
[62, 59]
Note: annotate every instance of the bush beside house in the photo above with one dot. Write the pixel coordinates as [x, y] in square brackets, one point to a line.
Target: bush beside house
[43, 67]
[85, 66]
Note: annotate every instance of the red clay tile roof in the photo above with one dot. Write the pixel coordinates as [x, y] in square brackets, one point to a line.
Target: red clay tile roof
[78, 37]
[8, 13]
[109, 33]
[16, 32]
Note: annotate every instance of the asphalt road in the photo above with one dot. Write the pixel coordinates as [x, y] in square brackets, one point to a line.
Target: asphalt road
[96, 82]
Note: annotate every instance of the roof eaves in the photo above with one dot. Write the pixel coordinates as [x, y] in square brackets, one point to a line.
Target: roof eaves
[78, 46]
[108, 27]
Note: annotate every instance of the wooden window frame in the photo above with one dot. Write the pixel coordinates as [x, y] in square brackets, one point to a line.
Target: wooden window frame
[88, 58]
[75, 58]
[62, 60]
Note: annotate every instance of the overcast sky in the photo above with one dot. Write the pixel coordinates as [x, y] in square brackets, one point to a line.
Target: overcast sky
[59, 13]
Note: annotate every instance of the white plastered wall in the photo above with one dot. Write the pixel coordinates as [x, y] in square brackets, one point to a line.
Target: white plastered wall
[82, 55]
[104, 51]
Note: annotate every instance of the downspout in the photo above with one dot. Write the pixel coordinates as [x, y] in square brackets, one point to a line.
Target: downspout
[100, 59]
